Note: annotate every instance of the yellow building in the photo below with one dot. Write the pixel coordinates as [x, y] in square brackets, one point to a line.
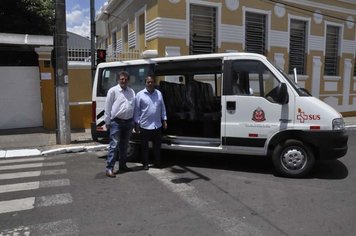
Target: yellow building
[318, 38]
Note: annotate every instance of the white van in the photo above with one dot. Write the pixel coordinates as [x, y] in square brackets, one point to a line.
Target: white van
[236, 103]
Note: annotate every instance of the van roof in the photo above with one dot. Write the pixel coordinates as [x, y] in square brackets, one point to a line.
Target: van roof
[244, 55]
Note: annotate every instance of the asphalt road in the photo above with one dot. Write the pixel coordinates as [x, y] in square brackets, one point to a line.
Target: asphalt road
[193, 194]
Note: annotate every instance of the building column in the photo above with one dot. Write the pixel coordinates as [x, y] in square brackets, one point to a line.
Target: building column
[316, 75]
[47, 87]
[346, 82]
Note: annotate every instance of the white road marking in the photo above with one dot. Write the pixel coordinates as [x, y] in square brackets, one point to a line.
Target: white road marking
[17, 205]
[32, 202]
[55, 228]
[33, 185]
[230, 224]
[28, 174]
[31, 165]
[16, 160]
[53, 200]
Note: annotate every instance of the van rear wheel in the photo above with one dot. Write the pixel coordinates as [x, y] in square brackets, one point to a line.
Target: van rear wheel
[293, 158]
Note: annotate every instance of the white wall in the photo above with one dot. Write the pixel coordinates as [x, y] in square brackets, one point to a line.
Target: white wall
[20, 97]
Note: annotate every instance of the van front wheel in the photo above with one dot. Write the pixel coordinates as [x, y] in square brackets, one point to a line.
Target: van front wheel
[293, 158]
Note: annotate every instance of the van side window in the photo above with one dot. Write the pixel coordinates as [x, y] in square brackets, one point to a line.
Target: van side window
[249, 78]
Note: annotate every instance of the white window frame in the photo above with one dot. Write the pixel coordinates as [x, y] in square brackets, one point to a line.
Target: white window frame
[307, 20]
[218, 19]
[268, 25]
[341, 33]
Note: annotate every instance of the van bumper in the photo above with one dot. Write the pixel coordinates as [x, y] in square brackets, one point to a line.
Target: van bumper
[330, 145]
[96, 134]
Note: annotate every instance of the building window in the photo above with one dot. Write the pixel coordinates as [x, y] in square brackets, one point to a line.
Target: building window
[125, 38]
[113, 41]
[140, 31]
[297, 46]
[255, 33]
[202, 29]
[332, 50]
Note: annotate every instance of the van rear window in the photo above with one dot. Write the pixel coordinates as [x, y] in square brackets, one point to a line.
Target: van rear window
[108, 77]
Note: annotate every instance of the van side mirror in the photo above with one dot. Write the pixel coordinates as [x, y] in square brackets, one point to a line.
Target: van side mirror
[279, 94]
[282, 94]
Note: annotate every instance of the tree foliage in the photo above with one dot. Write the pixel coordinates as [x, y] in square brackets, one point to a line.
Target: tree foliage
[27, 16]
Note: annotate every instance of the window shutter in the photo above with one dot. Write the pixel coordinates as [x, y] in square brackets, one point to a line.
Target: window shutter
[255, 32]
[202, 29]
[331, 50]
[297, 46]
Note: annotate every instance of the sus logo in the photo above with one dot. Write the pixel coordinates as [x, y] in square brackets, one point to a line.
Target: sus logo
[303, 117]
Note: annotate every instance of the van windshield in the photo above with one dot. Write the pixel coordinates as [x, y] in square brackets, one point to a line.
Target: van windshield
[301, 91]
[108, 77]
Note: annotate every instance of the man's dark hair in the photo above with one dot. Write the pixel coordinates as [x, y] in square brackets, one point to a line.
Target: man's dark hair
[124, 73]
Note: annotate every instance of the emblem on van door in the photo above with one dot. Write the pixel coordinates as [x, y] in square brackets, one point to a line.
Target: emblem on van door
[258, 115]
[303, 117]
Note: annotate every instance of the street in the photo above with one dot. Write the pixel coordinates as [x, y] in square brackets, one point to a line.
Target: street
[193, 194]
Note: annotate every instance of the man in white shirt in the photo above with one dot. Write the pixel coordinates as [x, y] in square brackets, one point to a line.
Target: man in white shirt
[150, 116]
[119, 110]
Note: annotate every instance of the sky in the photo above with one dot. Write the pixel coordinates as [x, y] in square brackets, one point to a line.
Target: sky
[78, 15]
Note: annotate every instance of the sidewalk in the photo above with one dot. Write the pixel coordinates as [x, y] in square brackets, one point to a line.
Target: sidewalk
[37, 141]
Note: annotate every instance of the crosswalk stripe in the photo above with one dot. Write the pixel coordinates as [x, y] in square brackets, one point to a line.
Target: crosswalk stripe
[17, 205]
[16, 160]
[36, 173]
[52, 200]
[33, 185]
[32, 202]
[31, 165]
[231, 225]
[55, 228]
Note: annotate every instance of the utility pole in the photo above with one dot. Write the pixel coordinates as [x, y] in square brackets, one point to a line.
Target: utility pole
[92, 39]
[61, 74]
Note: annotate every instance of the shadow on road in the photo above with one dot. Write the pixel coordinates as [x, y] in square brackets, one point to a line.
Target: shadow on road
[252, 164]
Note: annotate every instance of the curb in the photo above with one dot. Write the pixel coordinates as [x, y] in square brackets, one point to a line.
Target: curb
[37, 152]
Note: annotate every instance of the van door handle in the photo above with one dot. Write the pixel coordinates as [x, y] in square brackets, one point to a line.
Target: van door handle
[231, 105]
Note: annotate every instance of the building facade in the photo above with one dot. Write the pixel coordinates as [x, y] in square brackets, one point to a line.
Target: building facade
[318, 38]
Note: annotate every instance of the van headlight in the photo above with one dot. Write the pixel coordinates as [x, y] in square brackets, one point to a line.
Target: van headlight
[338, 124]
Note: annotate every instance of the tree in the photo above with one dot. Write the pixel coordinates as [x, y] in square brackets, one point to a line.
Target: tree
[27, 16]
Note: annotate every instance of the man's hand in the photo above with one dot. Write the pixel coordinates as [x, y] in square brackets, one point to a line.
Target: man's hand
[164, 124]
[137, 128]
[108, 126]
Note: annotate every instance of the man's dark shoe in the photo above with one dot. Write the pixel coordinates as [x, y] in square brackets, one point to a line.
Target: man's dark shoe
[158, 165]
[110, 174]
[124, 168]
[145, 167]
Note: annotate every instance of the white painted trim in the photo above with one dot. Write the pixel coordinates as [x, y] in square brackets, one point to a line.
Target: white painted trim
[166, 28]
[331, 78]
[231, 33]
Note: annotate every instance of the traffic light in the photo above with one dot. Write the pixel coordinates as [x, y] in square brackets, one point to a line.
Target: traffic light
[100, 56]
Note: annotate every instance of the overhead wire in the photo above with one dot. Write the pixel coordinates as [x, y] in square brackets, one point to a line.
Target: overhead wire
[307, 10]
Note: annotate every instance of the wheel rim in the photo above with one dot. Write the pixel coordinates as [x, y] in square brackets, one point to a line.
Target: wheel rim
[294, 159]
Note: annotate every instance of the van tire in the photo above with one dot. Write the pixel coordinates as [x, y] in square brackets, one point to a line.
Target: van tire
[292, 158]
